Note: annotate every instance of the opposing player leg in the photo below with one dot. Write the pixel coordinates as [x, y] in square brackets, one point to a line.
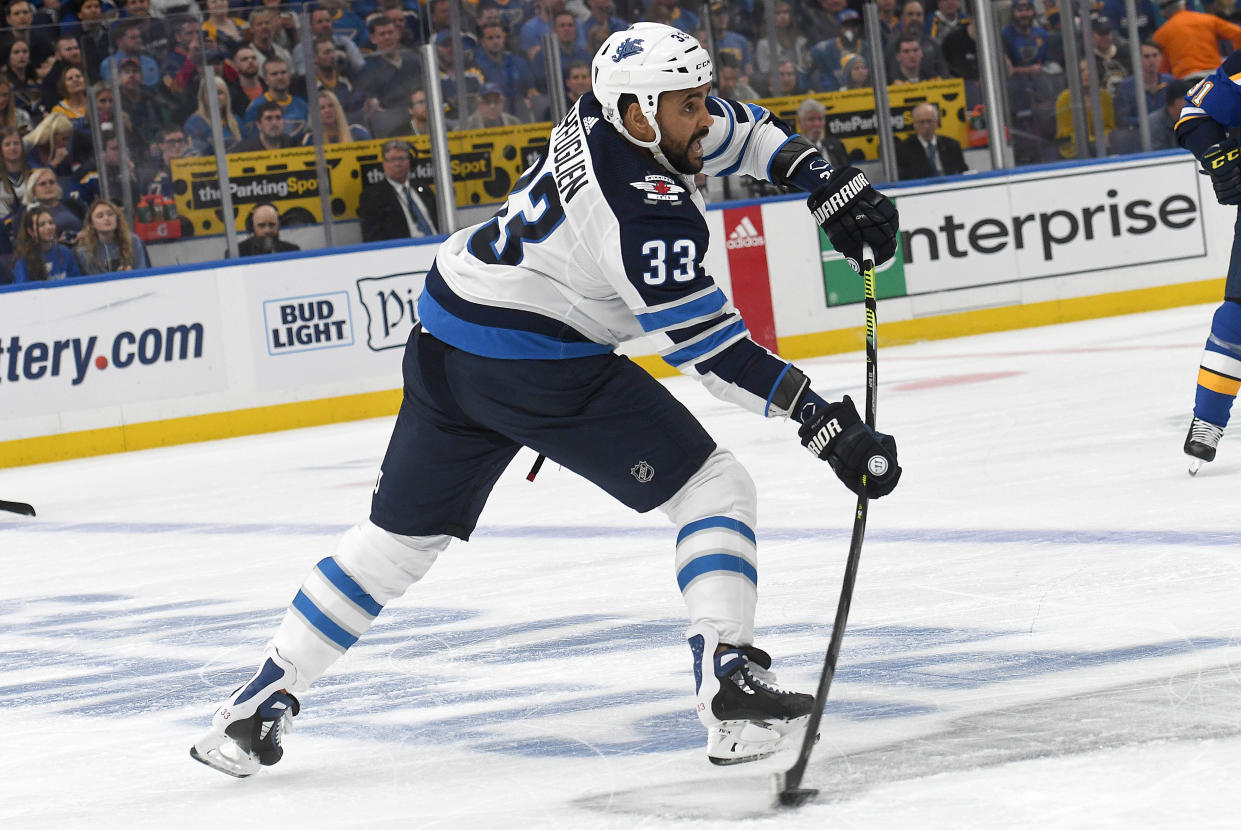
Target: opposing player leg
[1219, 378]
[436, 476]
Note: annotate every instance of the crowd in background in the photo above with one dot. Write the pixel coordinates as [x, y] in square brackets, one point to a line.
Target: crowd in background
[140, 64]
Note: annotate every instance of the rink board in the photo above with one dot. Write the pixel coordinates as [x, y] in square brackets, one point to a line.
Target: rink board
[122, 363]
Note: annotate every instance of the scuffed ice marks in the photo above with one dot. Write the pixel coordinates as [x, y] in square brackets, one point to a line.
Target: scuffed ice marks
[567, 686]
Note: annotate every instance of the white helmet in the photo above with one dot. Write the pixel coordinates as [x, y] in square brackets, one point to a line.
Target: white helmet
[645, 60]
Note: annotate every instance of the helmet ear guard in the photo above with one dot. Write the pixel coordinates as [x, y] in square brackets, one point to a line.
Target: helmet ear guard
[646, 60]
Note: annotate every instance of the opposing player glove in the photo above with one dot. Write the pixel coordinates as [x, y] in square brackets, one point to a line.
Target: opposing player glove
[863, 459]
[851, 212]
[1222, 162]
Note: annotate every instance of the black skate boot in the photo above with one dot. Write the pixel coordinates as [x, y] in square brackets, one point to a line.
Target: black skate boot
[1201, 442]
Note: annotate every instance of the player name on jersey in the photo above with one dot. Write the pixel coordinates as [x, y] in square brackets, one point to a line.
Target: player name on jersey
[569, 157]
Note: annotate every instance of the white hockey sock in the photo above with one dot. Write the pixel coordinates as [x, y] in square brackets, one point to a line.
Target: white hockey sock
[344, 593]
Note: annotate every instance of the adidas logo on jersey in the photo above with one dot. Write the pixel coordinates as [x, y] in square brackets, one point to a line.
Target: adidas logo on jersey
[745, 235]
[588, 123]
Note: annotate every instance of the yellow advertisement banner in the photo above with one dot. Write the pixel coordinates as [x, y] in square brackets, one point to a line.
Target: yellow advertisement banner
[485, 164]
[851, 113]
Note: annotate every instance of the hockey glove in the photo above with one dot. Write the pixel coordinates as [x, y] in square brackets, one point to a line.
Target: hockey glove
[863, 459]
[1222, 162]
[851, 212]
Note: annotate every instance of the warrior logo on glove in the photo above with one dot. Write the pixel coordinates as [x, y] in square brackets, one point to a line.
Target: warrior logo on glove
[863, 459]
[851, 213]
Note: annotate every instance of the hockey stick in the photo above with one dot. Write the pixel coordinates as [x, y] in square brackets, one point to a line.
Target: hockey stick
[16, 507]
[788, 783]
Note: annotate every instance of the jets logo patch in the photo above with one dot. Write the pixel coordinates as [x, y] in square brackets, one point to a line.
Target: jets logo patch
[629, 47]
[658, 189]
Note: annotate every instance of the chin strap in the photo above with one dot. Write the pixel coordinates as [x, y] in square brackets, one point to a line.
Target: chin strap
[652, 146]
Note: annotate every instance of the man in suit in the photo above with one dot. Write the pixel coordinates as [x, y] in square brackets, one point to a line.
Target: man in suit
[396, 207]
[924, 154]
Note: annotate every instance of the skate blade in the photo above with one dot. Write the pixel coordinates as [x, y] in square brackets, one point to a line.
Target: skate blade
[1195, 464]
[743, 742]
[222, 753]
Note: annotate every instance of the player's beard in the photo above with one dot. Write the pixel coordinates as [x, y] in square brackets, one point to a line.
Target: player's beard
[679, 157]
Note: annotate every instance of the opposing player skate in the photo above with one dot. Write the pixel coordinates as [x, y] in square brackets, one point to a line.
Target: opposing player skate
[1201, 442]
[248, 729]
[747, 715]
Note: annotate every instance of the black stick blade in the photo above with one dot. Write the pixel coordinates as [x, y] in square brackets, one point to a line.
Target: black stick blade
[797, 796]
[17, 507]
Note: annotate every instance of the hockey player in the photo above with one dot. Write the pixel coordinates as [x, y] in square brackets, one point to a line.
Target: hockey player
[600, 242]
[1214, 107]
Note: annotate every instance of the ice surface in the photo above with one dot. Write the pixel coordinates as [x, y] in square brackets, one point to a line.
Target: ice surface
[1045, 631]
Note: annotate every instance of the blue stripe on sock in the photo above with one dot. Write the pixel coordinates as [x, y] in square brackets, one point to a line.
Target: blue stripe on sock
[322, 622]
[345, 584]
[716, 562]
[716, 521]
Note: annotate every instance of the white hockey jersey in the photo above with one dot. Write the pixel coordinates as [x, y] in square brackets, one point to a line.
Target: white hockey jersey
[599, 244]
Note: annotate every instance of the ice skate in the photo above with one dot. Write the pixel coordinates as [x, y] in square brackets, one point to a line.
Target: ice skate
[747, 715]
[248, 729]
[1201, 442]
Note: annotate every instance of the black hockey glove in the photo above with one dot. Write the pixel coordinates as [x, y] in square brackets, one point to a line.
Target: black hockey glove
[1222, 162]
[851, 212]
[863, 459]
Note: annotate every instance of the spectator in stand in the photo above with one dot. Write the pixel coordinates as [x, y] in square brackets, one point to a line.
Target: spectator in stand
[91, 30]
[106, 244]
[508, 71]
[926, 154]
[396, 207]
[577, 83]
[855, 73]
[416, 124]
[910, 66]
[345, 22]
[263, 223]
[961, 52]
[173, 145]
[819, 19]
[1190, 40]
[263, 23]
[43, 190]
[22, 78]
[14, 168]
[1115, 11]
[284, 25]
[68, 53]
[39, 255]
[327, 75]
[510, 12]
[47, 145]
[90, 182]
[789, 44]
[1113, 65]
[948, 17]
[19, 17]
[1064, 119]
[913, 22]
[391, 73]
[1125, 95]
[10, 114]
[788, 81]
[473, 77]
[489, 111]
[349, 59]
[602, 14]
[405, 21]
[1161, 122]
[72, 103]
[439, 17]
[812, 125]
[828, 56]
[129, 47]
[734, 44]
[198, 125]
[228, 32]
[277, 79]
[729, 83]
[674, 14]
[269, 133]
[143, 112]
[154, 35]
[565, 29]
[1025, 44]
[248, 87]
[336, 126]
[889, 20]
[181, 74]
[541, 22]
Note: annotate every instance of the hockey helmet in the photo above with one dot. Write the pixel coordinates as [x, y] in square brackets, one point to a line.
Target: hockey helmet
[645, 60]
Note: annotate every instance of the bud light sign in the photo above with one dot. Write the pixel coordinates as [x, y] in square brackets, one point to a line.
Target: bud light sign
[302, 324]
